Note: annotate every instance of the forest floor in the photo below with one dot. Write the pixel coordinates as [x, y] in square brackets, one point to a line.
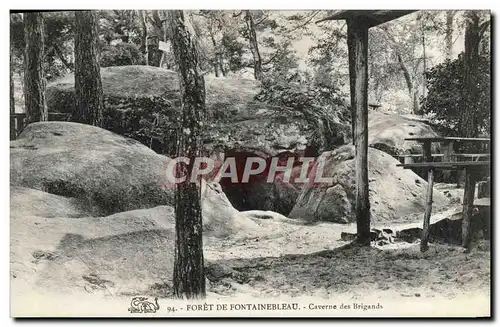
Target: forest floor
[296, 263]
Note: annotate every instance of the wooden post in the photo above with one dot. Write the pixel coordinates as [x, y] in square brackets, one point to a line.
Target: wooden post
[428, 209]
[13, 130]
[408, 160]
[426, 156]
[470, 187]
[447, 157]
[357, 39]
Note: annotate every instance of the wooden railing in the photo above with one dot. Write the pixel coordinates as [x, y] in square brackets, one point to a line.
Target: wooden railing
[450, 161]
[18, 122]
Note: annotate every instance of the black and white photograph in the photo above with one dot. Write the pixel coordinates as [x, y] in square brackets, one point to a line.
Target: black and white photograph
[250, 163]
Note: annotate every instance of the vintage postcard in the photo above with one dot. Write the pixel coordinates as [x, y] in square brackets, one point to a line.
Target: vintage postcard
[250, 163]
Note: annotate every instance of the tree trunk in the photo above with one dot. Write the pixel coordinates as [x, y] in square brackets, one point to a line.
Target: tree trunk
[449, 34]
[11, 71]
[144, 36]
[415, 105]
[424, 61]
[409, 84]
[88, 85]
[357, 34]
[254, 46]
[468, 125]
[34, 78]
[155, 55]
[469, 190]
[221, 65]
[216, 57]
[189, 275]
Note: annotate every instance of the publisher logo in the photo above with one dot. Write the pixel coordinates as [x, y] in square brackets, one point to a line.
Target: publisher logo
[140, 304]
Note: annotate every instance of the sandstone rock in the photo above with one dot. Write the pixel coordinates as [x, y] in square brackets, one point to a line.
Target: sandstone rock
[387, 132]
[107, 172]
[393, 191]
[237, 119]
[238, 124]
[132, 251]
[29, 202]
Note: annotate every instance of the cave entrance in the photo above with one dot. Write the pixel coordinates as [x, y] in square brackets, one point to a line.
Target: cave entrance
[257, 194]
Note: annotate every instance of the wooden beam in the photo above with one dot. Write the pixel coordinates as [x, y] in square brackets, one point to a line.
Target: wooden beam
[357, 40]
[447, 139]
[371, 17]
[479, 165]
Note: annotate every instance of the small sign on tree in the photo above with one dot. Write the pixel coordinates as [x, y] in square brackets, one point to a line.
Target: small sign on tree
[164, 46]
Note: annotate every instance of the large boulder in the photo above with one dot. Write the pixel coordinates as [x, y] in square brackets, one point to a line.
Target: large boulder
[29, 202]
[387, 132]
[135, 93]
[107, 172]
[142, 102]
[394, 192]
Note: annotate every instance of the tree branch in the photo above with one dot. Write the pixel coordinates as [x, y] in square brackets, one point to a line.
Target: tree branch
[314, 13]
[272, 58]
[60, 55]
[261, 21]
[406, 73]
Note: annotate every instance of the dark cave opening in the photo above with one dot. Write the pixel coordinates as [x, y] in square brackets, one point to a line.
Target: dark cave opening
[257, 194]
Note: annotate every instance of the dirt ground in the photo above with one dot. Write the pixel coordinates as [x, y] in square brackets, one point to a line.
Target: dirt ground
[312, 260]
[288, 262]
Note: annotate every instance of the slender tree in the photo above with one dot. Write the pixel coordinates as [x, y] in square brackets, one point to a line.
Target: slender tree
[34, 78]
[254, 45]
[468, 125]
[189, 275]
[404, 52]
[88, 85]
[469, 119]
[144, 36]
[216, 61]
[156, 56]
[474, 32]
[11, 70]
[449, 34]
[215, 23]
[424, 61]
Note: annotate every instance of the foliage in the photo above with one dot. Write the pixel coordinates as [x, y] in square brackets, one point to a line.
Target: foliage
[59, 32]
[445, 96]
[17, 35]
[233, 50]
[119, 25]
[152, 121]
[328, 56]
[122, 54]
[321, 105]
